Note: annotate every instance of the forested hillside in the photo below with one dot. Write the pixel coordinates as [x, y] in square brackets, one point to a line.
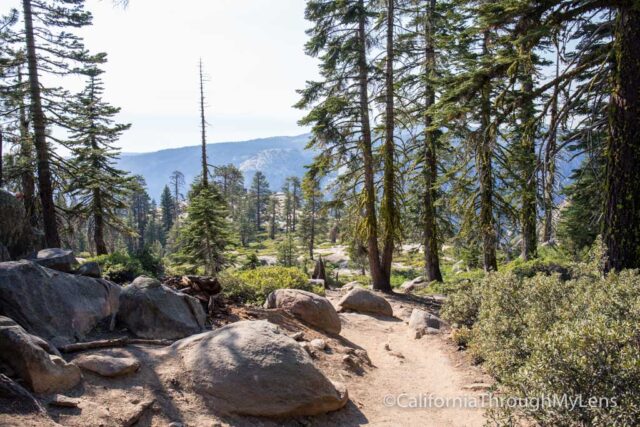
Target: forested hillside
[472, 162]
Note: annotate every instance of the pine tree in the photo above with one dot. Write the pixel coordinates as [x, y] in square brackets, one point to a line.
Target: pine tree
[167, 203]
[341, 116]
[176, 182]
[50, 49]
[138, 214]
[99, 188]
[272, 208]
[204, 234]
[259, 197]
[312, 222]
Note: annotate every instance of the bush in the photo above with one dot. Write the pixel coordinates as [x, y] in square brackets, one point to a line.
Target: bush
[461, 308]
[253, 286]
[120, 267]
[542, 337]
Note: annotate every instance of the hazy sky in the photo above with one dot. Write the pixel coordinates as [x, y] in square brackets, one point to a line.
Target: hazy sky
[252, 52]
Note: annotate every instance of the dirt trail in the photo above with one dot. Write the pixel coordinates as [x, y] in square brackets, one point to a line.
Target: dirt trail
[406, 368]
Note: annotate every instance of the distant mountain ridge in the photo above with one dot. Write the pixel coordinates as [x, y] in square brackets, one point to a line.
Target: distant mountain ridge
[277, 157]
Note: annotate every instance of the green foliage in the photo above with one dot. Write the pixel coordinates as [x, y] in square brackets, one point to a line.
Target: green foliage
[287, 251]
[120, 267]
[204, 234]
[253, 286]
[541, 336]
[463, 304]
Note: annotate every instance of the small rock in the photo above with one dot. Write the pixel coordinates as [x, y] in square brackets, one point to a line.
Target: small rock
[64, 401]
[477, 387]
[319, 344]
[175, 424]
[397, 354]
[298, 336]
[107, 366]
[387, 347]
[90, 269]
[305, 345]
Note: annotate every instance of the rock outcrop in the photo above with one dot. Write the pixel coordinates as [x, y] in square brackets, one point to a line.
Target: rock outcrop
[310, 308]
[150, 309]
[56, 306]
[26, 355]
[253, 368]
[365, 301]
[56, 259]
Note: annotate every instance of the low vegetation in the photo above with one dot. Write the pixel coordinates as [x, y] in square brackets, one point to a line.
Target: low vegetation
[543, 336]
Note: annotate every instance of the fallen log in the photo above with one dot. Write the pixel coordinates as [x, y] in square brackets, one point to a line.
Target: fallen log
[116, 342]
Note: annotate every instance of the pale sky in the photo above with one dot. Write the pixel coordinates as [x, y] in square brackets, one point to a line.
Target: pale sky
[252, 51]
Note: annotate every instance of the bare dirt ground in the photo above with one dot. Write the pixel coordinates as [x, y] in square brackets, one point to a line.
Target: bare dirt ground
[400, 366]
[404, 369]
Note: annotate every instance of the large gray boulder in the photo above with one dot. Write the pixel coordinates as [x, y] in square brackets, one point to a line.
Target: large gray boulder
[365, 301]
[30, 359]
[310, 308]
[150, 309]
[56, 259]
[16, 233]
[57, 306]
[253, 368]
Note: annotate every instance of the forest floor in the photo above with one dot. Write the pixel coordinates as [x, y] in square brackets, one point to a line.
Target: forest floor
[401, 367]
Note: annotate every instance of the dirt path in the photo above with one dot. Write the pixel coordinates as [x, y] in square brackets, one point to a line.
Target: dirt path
[407, 371]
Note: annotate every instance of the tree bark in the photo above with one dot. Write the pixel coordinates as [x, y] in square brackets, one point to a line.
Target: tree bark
[45, 186]
[388, 210]
[621, 232]
[26, 157]
[484, 159]
[371, 225]
[528, 212]
[550, 160]
[431, 258]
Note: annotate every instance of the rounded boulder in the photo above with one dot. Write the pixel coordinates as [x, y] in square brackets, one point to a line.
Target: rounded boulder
[310, 308]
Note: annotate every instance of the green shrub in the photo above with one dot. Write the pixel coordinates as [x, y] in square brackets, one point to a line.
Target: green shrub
[461, 308]
[542, 337]
[120, 267]
[253, 286]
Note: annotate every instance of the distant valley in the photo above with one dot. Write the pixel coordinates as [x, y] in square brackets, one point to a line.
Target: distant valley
[277, 157]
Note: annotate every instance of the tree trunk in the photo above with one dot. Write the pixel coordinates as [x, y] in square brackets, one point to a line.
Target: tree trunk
[528, 212]
[1, 161]
[26, 157]
[371, 225]
[388, 212]
[550, 160]
[484, 156]
[622, 211]
[45, 186]
[431, 258]
[203, 133]
[98, 226]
